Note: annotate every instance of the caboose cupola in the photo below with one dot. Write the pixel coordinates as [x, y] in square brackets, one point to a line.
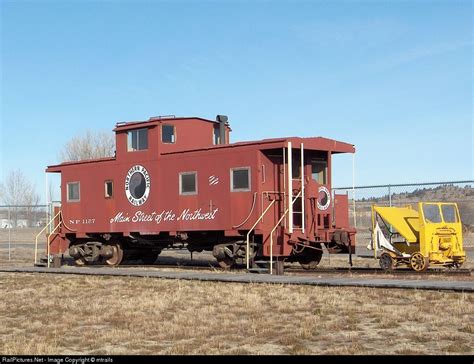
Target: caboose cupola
[167, 134]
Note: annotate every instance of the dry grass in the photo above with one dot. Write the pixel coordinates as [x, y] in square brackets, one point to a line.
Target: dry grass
[52, 314]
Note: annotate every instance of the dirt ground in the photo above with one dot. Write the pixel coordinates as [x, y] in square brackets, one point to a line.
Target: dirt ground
[47, 314]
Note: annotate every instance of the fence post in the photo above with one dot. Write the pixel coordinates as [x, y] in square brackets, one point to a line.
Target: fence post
[390, 195]
[390, 204]
[9, 235]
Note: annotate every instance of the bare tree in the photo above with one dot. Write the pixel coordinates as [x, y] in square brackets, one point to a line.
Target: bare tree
[89, 145]
[19, 193]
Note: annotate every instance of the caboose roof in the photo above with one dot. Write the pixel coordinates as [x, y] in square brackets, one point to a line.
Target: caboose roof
[57, 167]
[310, 143]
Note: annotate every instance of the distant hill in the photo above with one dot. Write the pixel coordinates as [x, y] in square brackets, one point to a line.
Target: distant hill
[444, 193]
[463, 196]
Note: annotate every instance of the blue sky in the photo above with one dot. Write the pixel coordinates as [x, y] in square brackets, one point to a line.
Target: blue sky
[394, 78]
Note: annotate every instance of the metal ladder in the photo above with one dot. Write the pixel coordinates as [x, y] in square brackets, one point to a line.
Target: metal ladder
[291, 197]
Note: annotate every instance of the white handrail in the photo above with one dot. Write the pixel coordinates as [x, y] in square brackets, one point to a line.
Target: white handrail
[302, 190]
[290, 188]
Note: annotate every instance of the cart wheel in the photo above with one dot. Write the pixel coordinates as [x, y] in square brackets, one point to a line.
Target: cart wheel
[386, 262]
[418, 262]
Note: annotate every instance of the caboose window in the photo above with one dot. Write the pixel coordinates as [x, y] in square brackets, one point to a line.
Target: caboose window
[319, 171]
[137, 139]
[109, 189]
[73, 191]
[167, 133]
[188, 183]
[240, 179]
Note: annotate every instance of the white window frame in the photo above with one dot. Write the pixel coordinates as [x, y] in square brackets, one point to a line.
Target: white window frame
[232, 189]
[105, 188]
[129, 145]
[174, 133]
[78, 189]
[325, 171]
[181, 183]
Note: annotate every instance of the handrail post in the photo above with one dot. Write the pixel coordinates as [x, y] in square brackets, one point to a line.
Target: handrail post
[302, 190]
[290, 188]
[374, 235]
[271, 252]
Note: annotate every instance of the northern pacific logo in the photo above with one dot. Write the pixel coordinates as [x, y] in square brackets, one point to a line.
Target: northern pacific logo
[137, 185]
[324, 198]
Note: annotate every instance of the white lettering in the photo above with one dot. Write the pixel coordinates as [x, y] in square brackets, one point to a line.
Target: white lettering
[165, 215]
[120, 218]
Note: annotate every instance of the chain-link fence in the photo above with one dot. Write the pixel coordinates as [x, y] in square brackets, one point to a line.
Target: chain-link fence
[361, 198]
[19, 226]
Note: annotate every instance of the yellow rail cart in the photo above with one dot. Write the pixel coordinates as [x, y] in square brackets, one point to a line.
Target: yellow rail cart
[430, 236]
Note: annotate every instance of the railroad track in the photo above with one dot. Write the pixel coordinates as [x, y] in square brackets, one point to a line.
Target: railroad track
[246, 278]
[295, 270]
[378, 271]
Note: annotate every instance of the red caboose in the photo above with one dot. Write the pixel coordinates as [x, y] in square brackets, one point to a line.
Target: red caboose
[179, 182]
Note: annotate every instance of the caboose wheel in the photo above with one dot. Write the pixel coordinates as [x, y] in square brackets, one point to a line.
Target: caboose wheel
[418, 262]
[80, 262]
[226, 262]
[311, 262]
[386, 262]
[117, 255]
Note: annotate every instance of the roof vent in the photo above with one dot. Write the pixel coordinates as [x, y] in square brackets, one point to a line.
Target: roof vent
[161, 117]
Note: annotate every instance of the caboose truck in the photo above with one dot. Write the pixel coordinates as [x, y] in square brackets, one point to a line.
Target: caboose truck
[178, 182]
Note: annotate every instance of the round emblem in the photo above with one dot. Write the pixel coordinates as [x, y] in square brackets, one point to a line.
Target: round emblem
[137, 185]
[324, 198]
